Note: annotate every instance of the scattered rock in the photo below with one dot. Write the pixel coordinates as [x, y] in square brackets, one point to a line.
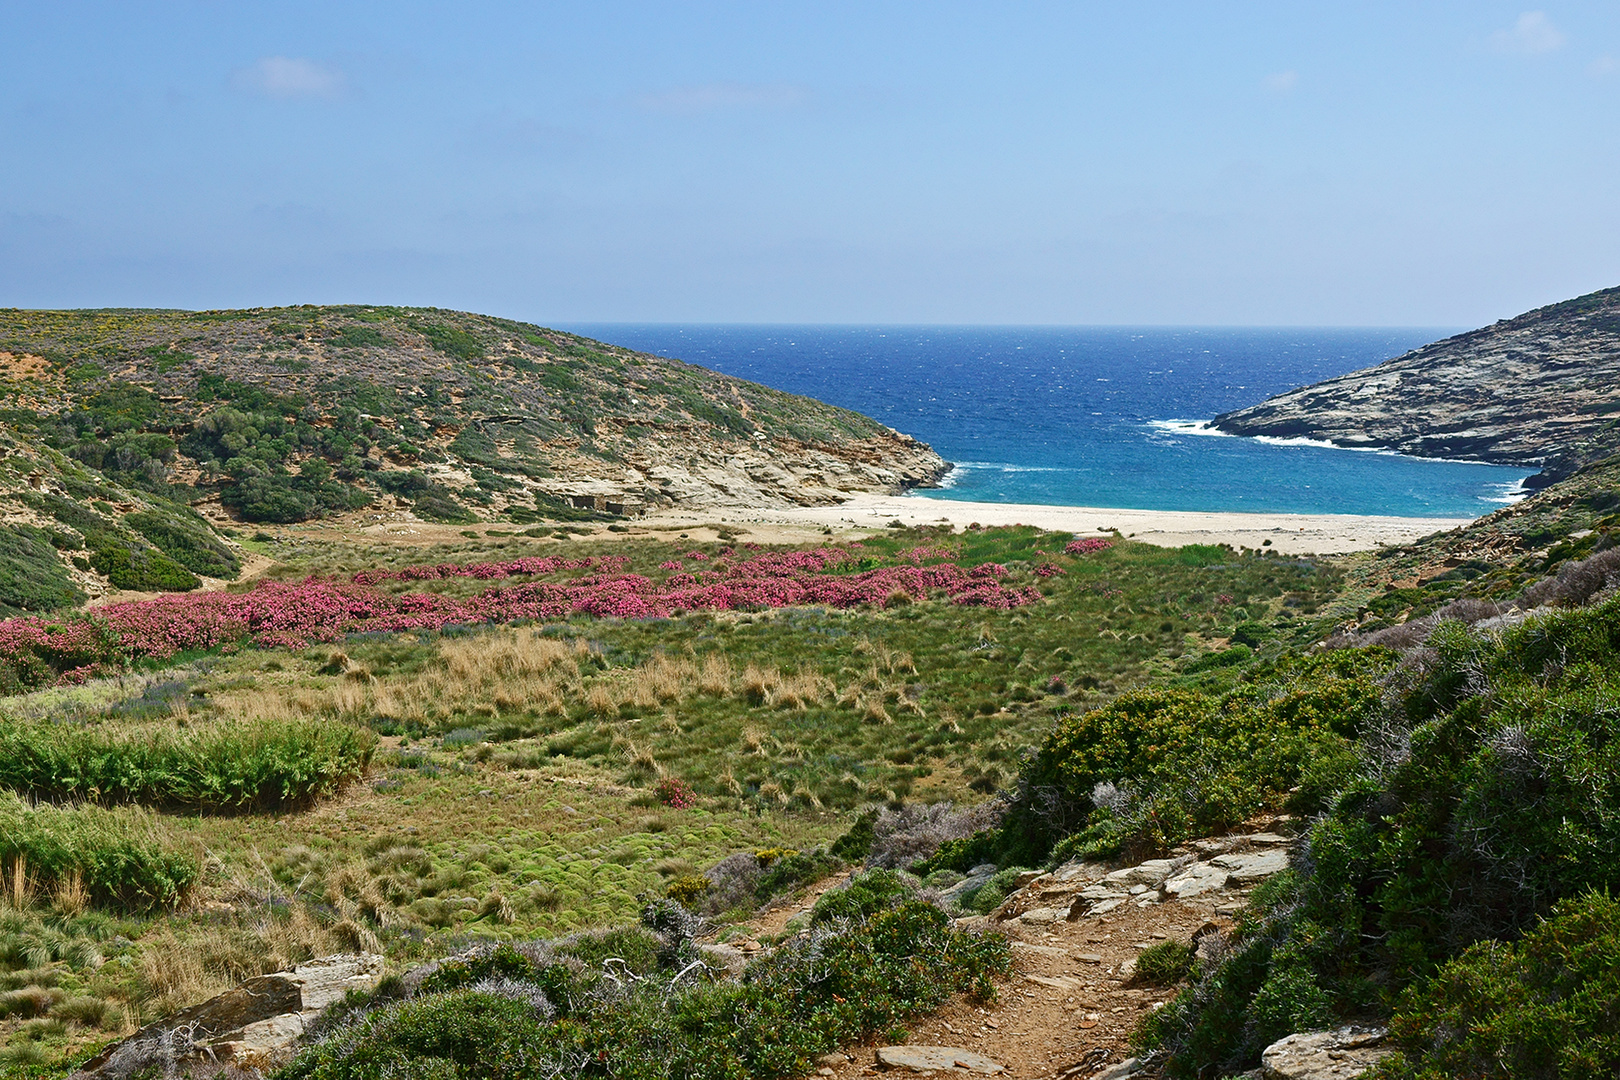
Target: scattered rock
[1128, 1067]
[251, 1027]
[936, 1059]
[1324, 1055]
[1041, 916]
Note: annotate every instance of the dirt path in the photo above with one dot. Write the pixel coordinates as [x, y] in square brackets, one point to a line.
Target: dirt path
[1071, 1005]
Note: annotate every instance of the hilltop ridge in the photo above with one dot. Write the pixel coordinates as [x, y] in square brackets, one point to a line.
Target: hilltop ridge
[1542, 388]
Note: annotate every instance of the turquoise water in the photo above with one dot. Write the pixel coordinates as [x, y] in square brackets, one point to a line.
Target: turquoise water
[1097, 416]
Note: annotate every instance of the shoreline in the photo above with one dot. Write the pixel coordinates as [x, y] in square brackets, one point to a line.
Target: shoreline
[1290, 534]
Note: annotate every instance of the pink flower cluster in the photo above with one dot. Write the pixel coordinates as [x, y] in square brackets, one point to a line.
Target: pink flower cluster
[278, 614]
[549, 564]
[1087, 545]
[675, 794]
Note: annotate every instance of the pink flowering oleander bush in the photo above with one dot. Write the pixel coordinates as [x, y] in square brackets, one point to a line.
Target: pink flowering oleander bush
[675, 794]
[1087, 545]
[38, 650]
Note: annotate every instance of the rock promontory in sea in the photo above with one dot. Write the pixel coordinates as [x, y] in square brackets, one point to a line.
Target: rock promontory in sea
[1539, 389]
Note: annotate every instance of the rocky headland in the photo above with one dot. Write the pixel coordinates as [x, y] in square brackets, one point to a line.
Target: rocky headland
[1540, 389]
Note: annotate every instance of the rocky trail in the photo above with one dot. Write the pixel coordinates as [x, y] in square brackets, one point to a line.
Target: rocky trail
[1073, 1001]
[1067, 1012]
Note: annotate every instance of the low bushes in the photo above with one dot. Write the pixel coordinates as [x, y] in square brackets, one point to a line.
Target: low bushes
[124, 857]
[556, 1010]
[36, 650]
[32, 577]
[1159, 766]
[1488, 795]
[253, 766]
[185, 538]
[1543, 1007]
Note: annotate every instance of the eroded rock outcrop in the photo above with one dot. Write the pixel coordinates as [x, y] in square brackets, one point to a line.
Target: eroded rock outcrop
[253, 1026]
[1523, 391]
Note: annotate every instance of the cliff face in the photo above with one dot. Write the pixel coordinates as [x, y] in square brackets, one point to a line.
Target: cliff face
[287, 414]
[1524, 391]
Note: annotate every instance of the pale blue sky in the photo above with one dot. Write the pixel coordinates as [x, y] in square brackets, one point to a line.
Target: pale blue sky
[1204, 163]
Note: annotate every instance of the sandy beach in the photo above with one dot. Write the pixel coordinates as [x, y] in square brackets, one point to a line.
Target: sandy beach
[1293, 534]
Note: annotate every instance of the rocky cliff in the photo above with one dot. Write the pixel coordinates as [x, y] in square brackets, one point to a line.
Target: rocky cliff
[1537, 389]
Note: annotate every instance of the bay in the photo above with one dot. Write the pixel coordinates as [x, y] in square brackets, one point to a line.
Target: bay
[1097, 416]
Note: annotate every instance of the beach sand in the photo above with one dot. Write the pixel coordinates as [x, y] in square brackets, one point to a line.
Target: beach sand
[1293, 534]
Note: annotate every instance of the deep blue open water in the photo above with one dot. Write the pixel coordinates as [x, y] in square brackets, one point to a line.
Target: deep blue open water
[1096, 416]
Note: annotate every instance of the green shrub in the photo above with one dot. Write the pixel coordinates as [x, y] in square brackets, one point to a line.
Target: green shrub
[453, 342]
[510, 1015]
[865, 895]
[122, 857]
[144, 569]
[1493, 794]
[186, 539]
[442, 509]
[793, 870]
[1164, 964]
[1251, 634]
[32, 577]
[856, 844]
[1544, 1006]
[242, 766]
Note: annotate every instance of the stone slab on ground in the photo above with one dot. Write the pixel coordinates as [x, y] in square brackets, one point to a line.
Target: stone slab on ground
[936, 1059]
[251, 1026]
[1245, 870]
[1341, 1054]
[1195, 880]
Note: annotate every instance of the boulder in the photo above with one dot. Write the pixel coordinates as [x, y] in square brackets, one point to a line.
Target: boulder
[936, 1059]
[1324, 1055]
[253, 1026]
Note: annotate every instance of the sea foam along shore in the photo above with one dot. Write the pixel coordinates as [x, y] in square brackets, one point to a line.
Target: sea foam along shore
[1294, 534]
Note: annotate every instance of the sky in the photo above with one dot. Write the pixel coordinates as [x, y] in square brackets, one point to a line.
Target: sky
[1196, 163]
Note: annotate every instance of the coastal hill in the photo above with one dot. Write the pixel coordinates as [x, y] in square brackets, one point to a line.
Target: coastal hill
[1539, 389]
[130, 441]
[292, 413]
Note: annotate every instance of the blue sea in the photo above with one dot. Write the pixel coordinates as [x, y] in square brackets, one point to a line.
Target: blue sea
[1097, 416]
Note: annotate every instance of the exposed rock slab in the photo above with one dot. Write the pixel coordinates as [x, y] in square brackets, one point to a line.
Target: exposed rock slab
[251, 1026]
[1246, 870]
[1324, 1055]
[936, 1059]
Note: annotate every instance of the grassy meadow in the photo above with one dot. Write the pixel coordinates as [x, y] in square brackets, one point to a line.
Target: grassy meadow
[411, 791]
